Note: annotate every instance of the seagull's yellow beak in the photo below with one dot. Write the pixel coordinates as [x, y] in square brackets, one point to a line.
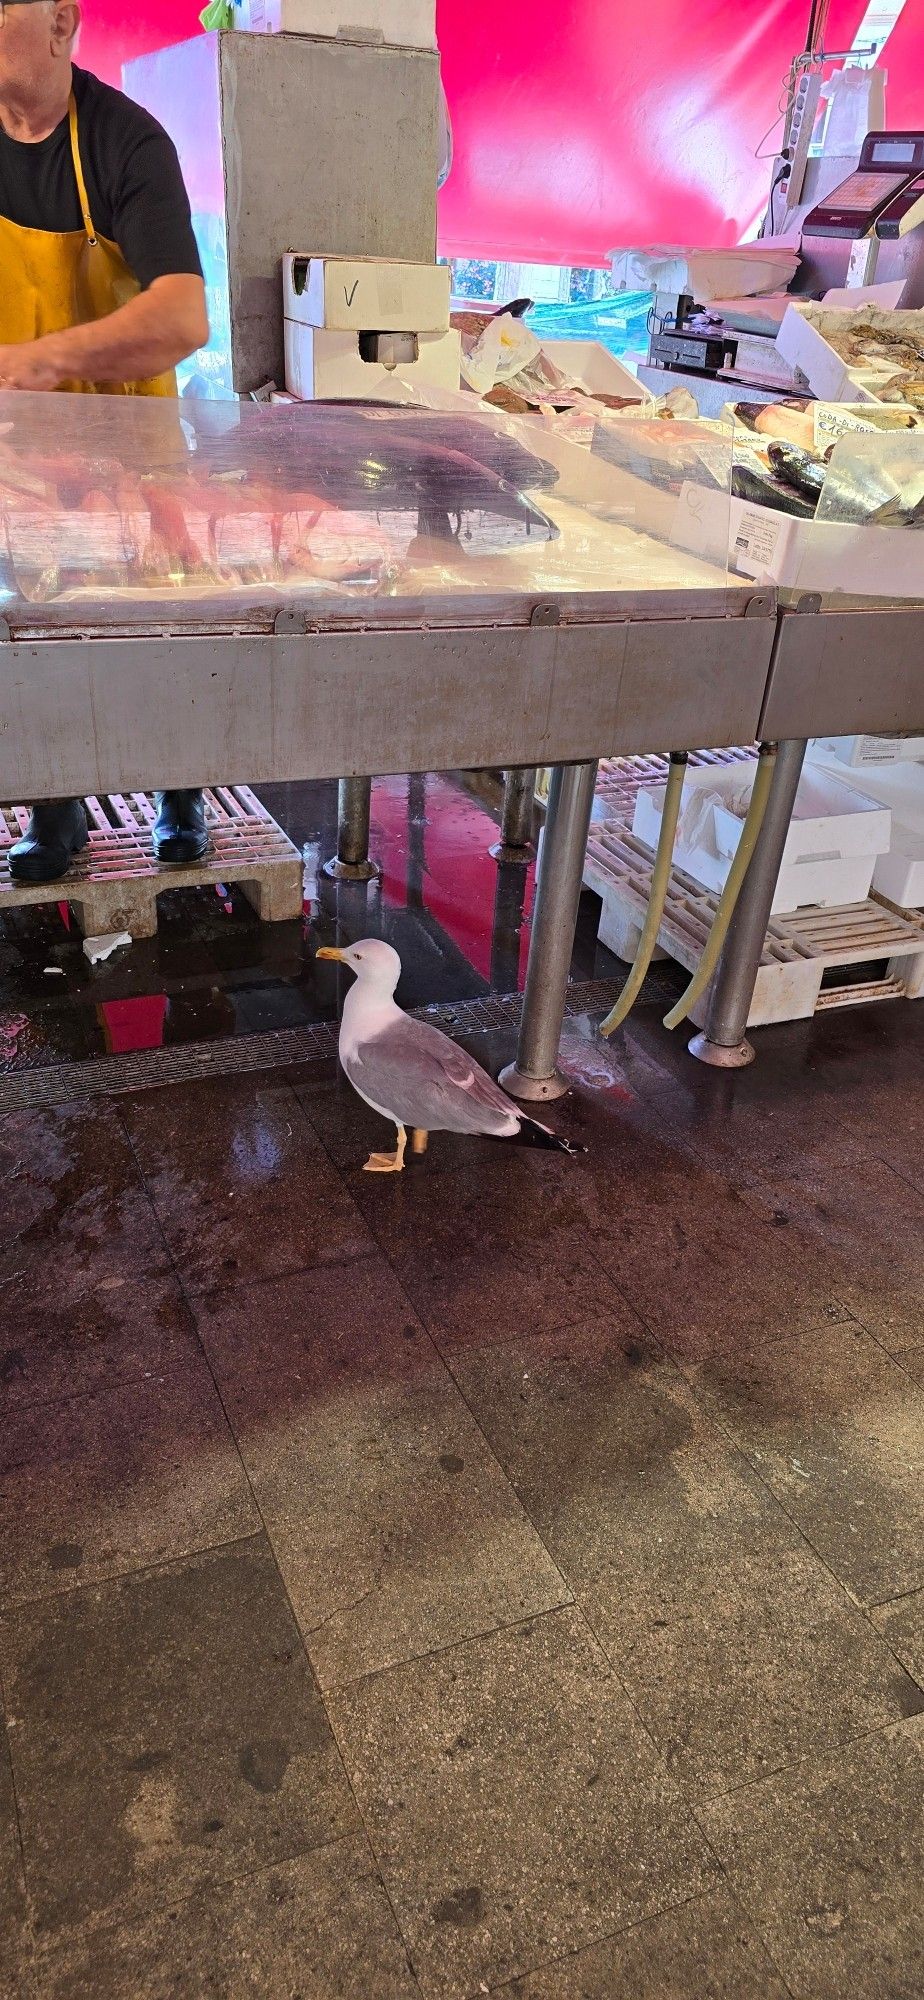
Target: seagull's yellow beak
[329, 951]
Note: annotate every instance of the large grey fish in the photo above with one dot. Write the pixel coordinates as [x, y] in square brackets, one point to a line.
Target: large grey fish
[761, 488]
[799, 468]
[905, 510]
[859, 489]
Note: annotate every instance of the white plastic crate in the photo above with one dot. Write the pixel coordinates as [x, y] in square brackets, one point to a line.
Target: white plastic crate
[899, 787]
[831, 850]
[800, 950]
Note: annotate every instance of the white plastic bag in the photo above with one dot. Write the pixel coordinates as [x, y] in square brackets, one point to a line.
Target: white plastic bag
[696, 824]
[856, 105]
[504, 348]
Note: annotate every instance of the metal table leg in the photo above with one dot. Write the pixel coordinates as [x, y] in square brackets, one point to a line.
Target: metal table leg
[534, 1075]
[507, 929]
[723, 1042]
[516, 839]
[352, 863]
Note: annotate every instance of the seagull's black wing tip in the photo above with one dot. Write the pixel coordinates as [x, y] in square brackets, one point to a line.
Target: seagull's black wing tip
[534, 1134]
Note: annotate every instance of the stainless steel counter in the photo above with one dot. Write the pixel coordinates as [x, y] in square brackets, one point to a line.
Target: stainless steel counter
[80, 715]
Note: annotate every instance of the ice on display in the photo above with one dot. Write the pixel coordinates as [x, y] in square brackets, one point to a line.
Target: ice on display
[116, 509]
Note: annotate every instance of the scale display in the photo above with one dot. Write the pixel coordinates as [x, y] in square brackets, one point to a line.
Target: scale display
[887, 163]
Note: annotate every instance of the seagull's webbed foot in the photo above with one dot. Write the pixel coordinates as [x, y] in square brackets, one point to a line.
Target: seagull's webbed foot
[388, 1163]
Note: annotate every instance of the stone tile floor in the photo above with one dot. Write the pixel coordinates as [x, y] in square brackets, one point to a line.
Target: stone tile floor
[504, 1579]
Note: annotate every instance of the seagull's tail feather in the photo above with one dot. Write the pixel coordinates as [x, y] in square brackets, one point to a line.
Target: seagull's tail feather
[534, 1134]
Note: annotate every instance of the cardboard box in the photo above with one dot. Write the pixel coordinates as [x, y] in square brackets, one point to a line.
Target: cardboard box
[358, 293]
[834, 839]
[402, 23]
[322, 364]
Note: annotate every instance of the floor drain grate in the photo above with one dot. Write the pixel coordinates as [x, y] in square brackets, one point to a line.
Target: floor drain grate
[148, 1069]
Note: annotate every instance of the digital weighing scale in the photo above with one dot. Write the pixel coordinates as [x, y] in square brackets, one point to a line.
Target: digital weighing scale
[883, 198]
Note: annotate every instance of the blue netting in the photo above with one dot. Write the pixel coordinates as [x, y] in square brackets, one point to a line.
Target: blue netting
[619, 323]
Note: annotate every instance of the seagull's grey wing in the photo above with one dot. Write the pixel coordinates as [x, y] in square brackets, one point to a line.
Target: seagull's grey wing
[421, 1078]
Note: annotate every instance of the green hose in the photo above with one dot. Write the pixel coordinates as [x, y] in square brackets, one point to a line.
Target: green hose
[766, 765]
[659, 881]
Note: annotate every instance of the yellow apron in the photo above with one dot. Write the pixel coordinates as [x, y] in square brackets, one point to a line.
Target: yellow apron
[53, 279]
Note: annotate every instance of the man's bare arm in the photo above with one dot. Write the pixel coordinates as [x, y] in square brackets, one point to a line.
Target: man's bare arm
[146, 337]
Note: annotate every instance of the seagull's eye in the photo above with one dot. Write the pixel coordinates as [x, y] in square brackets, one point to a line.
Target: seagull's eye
[357, 955]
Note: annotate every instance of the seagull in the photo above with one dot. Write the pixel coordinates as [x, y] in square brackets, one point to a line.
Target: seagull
[413, 1074]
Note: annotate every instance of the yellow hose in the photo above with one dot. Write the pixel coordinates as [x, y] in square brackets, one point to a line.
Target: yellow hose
[726, 909]
[659, 881]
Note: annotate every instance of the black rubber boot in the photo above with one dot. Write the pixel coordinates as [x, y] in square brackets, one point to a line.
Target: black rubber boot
[56, 831]
[180, 834]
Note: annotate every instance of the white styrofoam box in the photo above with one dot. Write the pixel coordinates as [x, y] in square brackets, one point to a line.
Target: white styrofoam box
[359, 293]
[322, 363]
[899, 875]
[401, 23]
[865, 752]
[888, 295]
[801, 344]
[899, 786]
[829, 556]
[831, 848]
[593, 365]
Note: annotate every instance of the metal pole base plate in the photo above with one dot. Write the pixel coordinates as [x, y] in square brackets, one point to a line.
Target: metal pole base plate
[351, 871]
[719, 1057]
[501, 852]
[532, 1089]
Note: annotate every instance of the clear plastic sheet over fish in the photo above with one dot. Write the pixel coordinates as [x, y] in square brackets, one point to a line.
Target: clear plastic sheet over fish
[126, 510]
[877, 481]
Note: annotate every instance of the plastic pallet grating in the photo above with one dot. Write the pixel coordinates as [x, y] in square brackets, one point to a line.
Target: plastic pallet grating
[114, 884]
[620, 778]
[800, 948]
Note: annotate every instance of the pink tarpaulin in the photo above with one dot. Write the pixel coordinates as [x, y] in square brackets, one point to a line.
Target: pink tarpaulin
[114, 31]
[903, 58]
[583, 124]
[595, 123]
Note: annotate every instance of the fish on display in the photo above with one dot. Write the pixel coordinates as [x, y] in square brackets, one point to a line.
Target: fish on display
[862, 489]
[765, 491]
[905, 510]
[391, 461]
[802, 469]
[485, 442]
[396, 471]
[790, 420]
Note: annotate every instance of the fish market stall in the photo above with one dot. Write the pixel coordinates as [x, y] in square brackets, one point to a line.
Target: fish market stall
[847, 659]
[826, 504]
[232, 592]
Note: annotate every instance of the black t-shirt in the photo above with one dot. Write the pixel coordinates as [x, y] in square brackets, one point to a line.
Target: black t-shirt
[134, 184]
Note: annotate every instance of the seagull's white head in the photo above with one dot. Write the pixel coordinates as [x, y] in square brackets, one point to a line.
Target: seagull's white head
[375, 963]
